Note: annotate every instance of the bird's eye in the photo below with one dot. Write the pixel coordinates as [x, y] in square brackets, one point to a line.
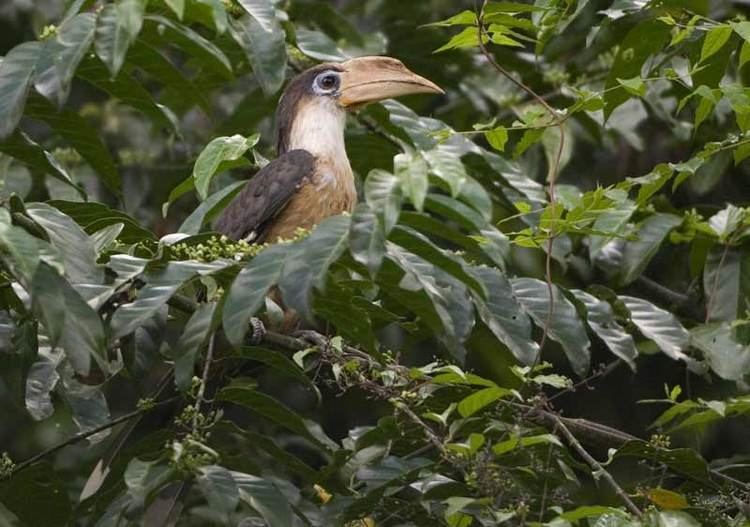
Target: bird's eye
[327, 82]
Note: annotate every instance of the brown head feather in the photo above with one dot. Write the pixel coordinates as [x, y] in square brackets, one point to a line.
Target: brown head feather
[297, 89]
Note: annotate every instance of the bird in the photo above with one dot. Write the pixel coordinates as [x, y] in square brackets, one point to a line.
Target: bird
[311, 179]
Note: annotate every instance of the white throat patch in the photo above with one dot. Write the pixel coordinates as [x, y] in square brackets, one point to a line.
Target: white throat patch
[319, 128]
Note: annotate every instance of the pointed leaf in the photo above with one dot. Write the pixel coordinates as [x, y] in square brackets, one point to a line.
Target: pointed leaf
[367, 238]
[248, 292]
[504, 316]
[61, 56]
[658, 325]
[651, 234]
[16, 73]
[728, 358]
[218, 151]
[117, 28]
[262, 38]
[565, 326]
[68, 319]
[195, 335]
[74, 129]
[264, 497]
[383, 195]
[307, 266]
[411, 171]
[601, 319]
[75, 246]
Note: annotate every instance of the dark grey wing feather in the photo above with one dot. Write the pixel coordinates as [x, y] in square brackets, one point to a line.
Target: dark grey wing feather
[265, 195]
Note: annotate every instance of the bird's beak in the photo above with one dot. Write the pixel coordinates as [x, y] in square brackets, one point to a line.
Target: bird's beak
[370, 79]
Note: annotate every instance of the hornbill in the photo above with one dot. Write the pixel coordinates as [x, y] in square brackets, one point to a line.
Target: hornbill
[312, 179]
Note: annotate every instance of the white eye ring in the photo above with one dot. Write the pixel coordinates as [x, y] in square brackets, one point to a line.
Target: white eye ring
[326, 83]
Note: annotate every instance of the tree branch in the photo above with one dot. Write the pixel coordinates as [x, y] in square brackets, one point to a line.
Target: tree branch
[598, 469]
[88, 433]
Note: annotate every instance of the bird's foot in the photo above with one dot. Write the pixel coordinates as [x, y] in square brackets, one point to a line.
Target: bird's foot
[313, 337]
[258, 331]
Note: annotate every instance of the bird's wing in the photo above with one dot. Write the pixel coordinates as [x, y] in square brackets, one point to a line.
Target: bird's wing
[248, 216]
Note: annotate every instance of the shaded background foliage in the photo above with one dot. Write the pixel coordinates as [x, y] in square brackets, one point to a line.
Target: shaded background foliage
[129, 142]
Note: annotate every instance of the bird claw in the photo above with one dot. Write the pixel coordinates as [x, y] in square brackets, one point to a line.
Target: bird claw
[258, 331]
[313, 337]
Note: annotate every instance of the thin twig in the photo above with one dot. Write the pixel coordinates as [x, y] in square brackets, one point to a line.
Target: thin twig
[555, 169]
[601, 373]
[200, 397]
[598, 469]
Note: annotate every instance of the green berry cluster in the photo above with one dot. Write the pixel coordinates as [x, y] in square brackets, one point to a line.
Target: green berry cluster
[221, 247]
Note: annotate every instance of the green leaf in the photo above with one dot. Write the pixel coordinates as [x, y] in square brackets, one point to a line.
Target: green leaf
[318, 45]
[529, 138]
[144, 478]
[367, 238]
[464, 18]
[161, 284]
[22, 147]
[503, 315]
[117, 28]
[421, 246]
[565, 326]
[601, 319]
[177, 6]
[21, 252]
[219, 151]
[248, 291]
[411, 171]
[41, 379]
[210, 208]
[726, 356]
[383, 195]
[634, 86]
[68, 319]
[682, 460]
[263, 39]
[509, 445]
[497, 137]
[558, 152]
[74, 245]
[94, 216]
[638, 253]
[470, 405]
[445, 163]
[162, 31]
[306, 267]
[467, 38]
[220, 489]
[726, 221]
[278, 361]
[126, 89]
[61, 56]
[74, 129]
[644, 40]
[722, 284]
[152, 61]
[268, 407]
[447, 298]
[715, 39]
[264, 497]
[613, 220]
[194, 337]
[658, 325]
[16, 74]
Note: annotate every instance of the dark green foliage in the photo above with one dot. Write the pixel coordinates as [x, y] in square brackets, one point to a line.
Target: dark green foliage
[515, 243]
